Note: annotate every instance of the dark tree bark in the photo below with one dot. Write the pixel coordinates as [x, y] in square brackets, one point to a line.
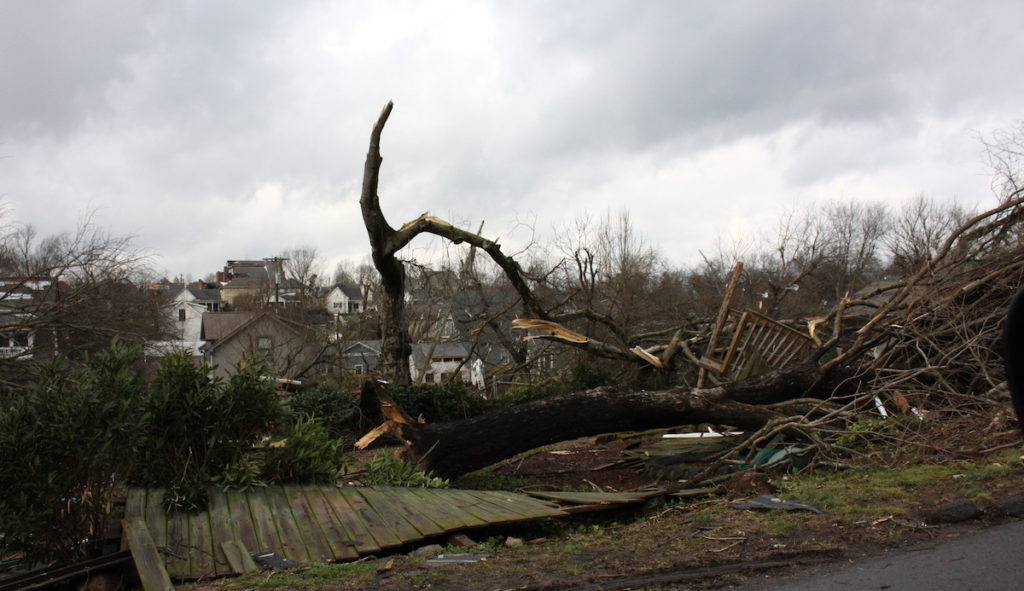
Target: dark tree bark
[394, 340]
[455, 448]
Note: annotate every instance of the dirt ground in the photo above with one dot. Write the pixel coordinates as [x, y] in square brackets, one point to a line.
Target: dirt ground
[692, 544]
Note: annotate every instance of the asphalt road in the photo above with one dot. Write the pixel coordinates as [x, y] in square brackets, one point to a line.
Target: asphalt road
[989, 560]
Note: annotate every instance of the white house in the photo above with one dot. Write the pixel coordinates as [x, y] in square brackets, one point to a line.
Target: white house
[344, 299]
[188, 304]
[432, 363]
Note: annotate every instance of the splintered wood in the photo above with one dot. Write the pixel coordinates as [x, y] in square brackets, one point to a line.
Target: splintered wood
[548, 330]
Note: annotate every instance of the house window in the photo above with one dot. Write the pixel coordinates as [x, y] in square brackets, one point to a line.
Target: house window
[181, 314]
[263, 344]
[429, 378]
[213, 307]
[353, 307]
[358, 368]
[339, 305]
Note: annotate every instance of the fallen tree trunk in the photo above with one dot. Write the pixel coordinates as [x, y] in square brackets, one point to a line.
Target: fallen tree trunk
[455, 448]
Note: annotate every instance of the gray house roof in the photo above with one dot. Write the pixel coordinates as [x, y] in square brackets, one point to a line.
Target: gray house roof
[217, 325]
[442, 349]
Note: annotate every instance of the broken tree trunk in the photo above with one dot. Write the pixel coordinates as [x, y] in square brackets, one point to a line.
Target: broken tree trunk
[455, 448]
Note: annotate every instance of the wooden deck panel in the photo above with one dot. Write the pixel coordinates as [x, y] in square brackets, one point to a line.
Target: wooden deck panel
[316, 523]
[240, 520]
[442, 512]
[220, 523]
[288, 528]
[340, 543]
[343, 515]
[376, 525]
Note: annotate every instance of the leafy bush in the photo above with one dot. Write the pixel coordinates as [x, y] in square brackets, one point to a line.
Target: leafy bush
[65, 445]
[309, 455]
[336, 408]
[585, 376]
[386, 469]
[81, 432]
[200, 426]
[438, 403]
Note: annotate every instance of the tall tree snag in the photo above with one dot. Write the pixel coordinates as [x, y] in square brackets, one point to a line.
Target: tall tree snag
[394, 340]
[385, 242]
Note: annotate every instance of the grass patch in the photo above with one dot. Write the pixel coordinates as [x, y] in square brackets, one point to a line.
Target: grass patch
[867, 492]
[317, 576]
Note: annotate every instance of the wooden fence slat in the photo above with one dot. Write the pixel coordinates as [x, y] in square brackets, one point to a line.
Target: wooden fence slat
[177, 544]
[238, 556]
[220, 529]
[317, 544]
[344, 515]
[412, 509]
[375, 524]
[388, 510]
[155, 516]
[442, 512]
[291, 537]
[263, 523]
[512, 505]
[200, 546]
[342, 542]
[240, 526]
[481, 508]
[147, 560]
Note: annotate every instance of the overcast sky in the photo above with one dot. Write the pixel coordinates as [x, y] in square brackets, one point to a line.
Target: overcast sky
[215, 130]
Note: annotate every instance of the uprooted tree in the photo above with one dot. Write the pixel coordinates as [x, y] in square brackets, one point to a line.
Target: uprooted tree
[927, 341]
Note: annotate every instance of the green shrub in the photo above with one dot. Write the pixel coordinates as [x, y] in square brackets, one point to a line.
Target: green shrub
[200, 425]
[438, 403]
[64, 445]
[386, 469]
[309, 455]
[336, 408]
[585, 376]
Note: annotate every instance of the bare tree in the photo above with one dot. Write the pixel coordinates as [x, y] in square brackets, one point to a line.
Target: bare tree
[70, 294]
[918, 230]
[303, 265]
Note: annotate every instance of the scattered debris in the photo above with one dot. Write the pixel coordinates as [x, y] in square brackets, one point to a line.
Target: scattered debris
[461, 540]
[768, 502]
[273, 561]
[511, 542]
[456, 558]
[426, 551]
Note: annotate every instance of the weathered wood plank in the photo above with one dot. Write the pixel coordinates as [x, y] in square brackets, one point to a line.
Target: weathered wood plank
[347, 517]
[291, 538]
[308, 522]
[263, 523]
[342, 541]
[147, 560]
[200, 546]
[240, 522]
[404, 509]
[525, 506]
[384, 535]
[416, 511]
[156, 517]
[478, 508]
[504, 505]
[443, 512]
[220, 530]
[389, 513]
[238, 557]
[176, 549]
[589, 498]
